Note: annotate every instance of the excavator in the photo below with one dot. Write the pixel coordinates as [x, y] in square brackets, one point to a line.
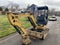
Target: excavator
[39, 30]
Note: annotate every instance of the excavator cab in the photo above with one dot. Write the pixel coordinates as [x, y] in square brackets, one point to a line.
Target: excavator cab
[39, 23]
[42, 17]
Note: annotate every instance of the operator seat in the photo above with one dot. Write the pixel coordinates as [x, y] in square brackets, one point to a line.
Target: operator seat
[41, 20]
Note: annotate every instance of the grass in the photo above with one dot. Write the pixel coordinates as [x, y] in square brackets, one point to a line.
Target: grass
[6, 28]
[25, 23]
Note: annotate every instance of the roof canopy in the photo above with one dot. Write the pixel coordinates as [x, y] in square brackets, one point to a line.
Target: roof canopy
[43, 8]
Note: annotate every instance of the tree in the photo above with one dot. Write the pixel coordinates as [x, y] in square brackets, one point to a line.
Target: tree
[1, 9]
[6, 9]
[13, 6]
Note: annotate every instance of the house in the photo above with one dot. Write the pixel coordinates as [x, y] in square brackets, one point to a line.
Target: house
[32, 8]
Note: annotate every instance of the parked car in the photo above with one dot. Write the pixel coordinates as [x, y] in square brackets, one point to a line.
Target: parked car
[53, 18]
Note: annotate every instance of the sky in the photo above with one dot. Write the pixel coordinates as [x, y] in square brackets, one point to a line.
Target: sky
[23, 3]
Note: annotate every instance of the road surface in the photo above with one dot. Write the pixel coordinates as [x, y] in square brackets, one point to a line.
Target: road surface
[52, 39]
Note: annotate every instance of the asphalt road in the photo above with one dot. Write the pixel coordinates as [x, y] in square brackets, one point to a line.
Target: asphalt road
[52, 39]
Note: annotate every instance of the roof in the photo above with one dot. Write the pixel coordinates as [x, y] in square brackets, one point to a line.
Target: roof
[32, 6]
[42, 8]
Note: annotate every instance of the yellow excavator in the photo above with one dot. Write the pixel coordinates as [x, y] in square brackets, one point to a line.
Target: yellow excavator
[39, 30]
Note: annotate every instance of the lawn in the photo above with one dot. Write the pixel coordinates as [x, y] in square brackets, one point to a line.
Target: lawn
[6, 28]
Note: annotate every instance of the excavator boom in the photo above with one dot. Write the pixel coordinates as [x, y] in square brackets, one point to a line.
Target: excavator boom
[14, 21]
